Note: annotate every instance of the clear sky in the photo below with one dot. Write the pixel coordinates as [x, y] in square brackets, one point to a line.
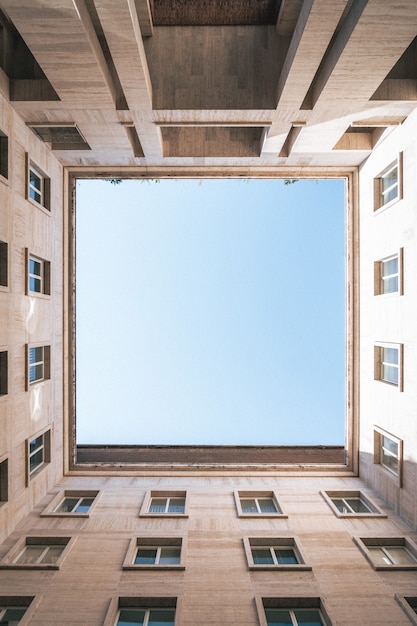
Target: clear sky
[210, 312]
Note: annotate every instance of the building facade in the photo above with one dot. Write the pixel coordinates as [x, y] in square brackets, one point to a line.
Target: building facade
[186, 536]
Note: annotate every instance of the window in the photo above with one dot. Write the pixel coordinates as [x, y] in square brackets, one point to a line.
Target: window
[158, 553]
[4, 481]
[172, 503]
[14, 608]
[38, 453]
[389, 364]
[72, 504]
[38, 364]
[4, 155]
[38, 275]
[142, 611]
[409, 606]
[38, 188]
[37, 552]
[273, 553]
[4, 274]
[261, 504]
[291, 612]
[389, 553]
[388, 451]
[388, 185]
[351, 504]
[3, 373]
[388, 274]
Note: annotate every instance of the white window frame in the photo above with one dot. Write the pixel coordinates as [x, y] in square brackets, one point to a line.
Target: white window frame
[142, 603]
[44, 277]
[291, 605]
[31, 190]
[272, 544]
[41, 558]
[364, 543]
[380, 449]
[52, 509]
[380, 279]
[380, 194]
[45, 447]
[257, 496]
[409, 606]
[10, 561]
[147, 616]
[381, 361]
[345, 495]
[28, 603]
[168, 496]
[156, 543]
[45, 362]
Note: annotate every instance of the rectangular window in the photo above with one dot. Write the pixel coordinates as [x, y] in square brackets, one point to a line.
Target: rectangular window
[4, 258]
[4, 373]
[38, 275]
[389, 275]
[388, 359]
[409, 606]
[4, 481]
[261, 504]
[388, 453]
[38, 552]
[142, 611]
[388, 185]
[13, 609]
[291, 612]
[158, 553]
[4, 155]
[38, 452]
[351, 504]
[165, 503]
[70, 503]
[38, 188]
[274, 553]
[38, 364]
[389, 552]
[146, 617]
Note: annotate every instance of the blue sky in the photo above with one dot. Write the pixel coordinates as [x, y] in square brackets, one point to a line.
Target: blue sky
[210, 312]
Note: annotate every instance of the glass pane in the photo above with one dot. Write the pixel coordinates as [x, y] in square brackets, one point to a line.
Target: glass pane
[35, 180]
[145, 556]
[84, 505]
[35, 460]
[391, 462]
[389, 179]
[286, 556]
[308, 617]
[34, 284]
[36, 443]
[358, 505]
[157, 505]
[161, 617]
[391, 194]
[390, 285]
[176, 505]
[35, 373]
[267, 505]
[341, 505]
[35, 195]
[262, 556]
[30, 555]
[35, 355]
[390, 374]
[170, 556]
[378, 556]
[390, 355]
[13, 616]
[390, 445]
[400, 555]
[34, 267]
[390, 267]
[131, 616]
[248, 505]
[53, 554]
[67, 505]
[278, 617]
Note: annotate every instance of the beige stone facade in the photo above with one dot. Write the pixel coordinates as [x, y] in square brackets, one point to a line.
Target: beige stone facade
[105, 88]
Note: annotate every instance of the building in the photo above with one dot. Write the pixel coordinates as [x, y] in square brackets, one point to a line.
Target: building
[98, 88]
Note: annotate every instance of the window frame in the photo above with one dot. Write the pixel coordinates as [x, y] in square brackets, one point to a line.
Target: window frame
[142, 602]
[364, 543]
[50, 510]
[258, 495]
[374, 511]
[271, 543]
[4, 266]
[379, 364]
[9, 560]
[409, 606]
[379, 275]
[4, 372]
[44, 192]
[44, 277]
[46, 362]
[158, 543]
[46, 454]
[4, 480]
[379, 180]
[290, 604]
[152, 494]
[16, 602]
[379, 434]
